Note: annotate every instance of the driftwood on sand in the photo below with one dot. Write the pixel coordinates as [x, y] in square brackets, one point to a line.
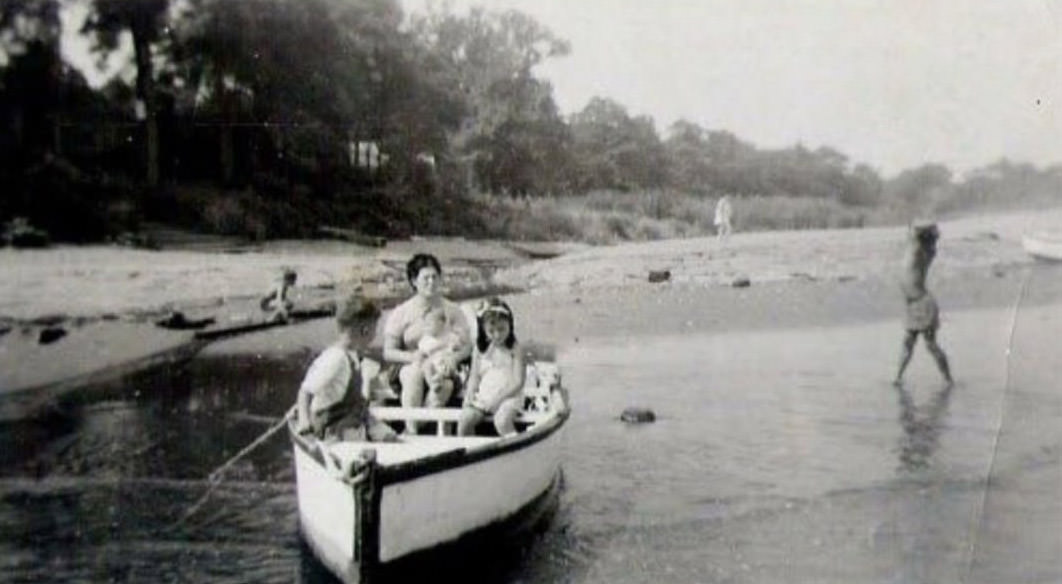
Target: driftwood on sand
[353, 236]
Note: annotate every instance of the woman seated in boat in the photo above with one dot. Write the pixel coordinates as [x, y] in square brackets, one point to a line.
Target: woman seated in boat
[408, 323]
[331, 403]
[496, 380]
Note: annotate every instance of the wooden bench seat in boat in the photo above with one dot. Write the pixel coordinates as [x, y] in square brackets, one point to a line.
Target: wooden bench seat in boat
[445, 418]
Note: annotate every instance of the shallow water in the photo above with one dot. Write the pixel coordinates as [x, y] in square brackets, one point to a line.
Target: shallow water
[778, 456]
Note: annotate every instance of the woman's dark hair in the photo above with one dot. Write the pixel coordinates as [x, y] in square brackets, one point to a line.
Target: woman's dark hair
[498, 306]
[418, 262]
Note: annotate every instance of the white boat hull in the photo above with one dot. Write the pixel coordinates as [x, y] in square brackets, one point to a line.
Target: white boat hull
[426, 492]
[441, 507]
[1043, 245]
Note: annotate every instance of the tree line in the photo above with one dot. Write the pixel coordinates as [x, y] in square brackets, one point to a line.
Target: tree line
[272, 117]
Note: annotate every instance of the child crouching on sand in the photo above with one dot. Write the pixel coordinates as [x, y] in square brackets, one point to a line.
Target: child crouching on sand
[497, 376]
[331, 402]
[277, 302]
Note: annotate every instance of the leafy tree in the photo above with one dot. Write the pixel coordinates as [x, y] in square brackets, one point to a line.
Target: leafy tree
[687, 155]
[915, 188]
[145, 21]
[315, 75]
[26, 21]
[865, 187]
[614, 150]
[32, 78]
[511, 136]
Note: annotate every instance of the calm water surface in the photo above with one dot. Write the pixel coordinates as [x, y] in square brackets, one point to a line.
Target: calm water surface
[781, 456]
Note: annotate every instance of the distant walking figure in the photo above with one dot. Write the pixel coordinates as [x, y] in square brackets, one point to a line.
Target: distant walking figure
[922, 314]
[723, 213]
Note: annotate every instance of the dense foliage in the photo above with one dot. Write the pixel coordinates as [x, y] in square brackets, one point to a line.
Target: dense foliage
[270, 118]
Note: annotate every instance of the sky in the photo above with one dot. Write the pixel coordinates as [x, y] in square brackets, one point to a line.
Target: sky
[892, 83]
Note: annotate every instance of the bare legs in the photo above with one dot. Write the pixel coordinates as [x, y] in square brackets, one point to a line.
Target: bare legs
[909, 339]
[938, 355]
[723, 231]
[504, 419]
[411, 376]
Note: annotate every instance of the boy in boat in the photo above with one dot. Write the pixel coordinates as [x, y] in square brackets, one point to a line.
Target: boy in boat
[331, 402]
[277, 301]
[922, 313]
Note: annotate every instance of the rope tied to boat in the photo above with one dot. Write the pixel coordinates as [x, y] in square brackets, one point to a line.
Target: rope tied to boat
[216, 476]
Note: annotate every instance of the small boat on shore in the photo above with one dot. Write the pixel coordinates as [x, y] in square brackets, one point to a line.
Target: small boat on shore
[367, 507]
[1046, 245]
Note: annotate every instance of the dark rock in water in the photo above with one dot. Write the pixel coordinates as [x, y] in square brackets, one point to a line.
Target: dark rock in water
[50, 335]
[638, 415]
[741, 282]
[656, 276]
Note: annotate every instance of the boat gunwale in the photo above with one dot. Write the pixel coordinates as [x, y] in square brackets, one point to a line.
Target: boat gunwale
[385, 475]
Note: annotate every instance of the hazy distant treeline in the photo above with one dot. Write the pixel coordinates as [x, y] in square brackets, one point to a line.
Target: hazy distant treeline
[270, 118]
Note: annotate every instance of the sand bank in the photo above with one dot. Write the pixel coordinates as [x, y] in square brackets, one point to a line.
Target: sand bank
[796, 279]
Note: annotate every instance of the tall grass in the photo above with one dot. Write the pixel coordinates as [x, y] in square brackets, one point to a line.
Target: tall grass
[603, 217]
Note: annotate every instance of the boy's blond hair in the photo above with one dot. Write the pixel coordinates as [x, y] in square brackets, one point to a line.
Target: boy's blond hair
[354, 310]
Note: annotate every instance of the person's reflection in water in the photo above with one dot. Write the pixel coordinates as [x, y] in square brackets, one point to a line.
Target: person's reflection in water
[921, 431]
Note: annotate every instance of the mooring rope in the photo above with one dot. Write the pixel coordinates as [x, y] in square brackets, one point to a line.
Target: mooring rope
[215, 477]
[999, 425]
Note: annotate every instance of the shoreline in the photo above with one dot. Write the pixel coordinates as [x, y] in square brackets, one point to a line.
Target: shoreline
[792, 279]
[100, 282]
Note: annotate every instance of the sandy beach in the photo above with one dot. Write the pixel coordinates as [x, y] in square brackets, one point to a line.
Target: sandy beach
[94, 281]
[111, 297]
[843, 274]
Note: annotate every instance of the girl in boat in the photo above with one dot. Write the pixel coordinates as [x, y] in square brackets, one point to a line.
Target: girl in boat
[497, 376]
[407, 323]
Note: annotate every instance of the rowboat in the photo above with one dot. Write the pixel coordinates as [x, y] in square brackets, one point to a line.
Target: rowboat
[1045, 245]
[366, 509]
